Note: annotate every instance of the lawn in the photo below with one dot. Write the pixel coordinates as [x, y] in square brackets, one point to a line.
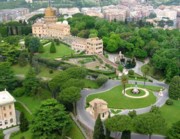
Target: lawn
[19, 135]
[90, 83]
[61, 50]
[117, 100]
[30, 102]
[75, 132]
[44, 71]
[171, 113]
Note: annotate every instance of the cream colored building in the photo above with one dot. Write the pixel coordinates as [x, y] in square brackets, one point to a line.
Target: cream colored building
[98, 106]
[7, 110]
[90, 46]
[49, 27]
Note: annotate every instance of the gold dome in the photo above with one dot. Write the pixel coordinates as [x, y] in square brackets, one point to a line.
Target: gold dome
[49, 12]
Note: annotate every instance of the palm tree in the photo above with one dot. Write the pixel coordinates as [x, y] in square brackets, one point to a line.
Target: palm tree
[145, 71]
[124, 81]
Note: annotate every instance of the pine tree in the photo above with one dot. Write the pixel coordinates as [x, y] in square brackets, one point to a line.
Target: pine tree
[98, 129]
[23, 123]
[41, 49]
[52, 48]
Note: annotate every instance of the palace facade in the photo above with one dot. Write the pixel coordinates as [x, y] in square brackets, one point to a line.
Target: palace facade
[48, 27]
[7, 110]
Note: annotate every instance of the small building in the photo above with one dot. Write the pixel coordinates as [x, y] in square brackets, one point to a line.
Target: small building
[90, 46]
[7, 110]
[98, 106]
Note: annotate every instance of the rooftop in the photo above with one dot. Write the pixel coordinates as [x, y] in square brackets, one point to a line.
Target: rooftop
[5, 97]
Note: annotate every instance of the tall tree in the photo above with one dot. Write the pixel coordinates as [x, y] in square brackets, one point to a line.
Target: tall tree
[24, 124]
[98, 129]
[149, 124]
[174, 132]
[7, 79]
[22, 60]
[70, 96]
[52, 48]
[31, 83]
[174, 88]
[145, 71]
[119, 123]
[124, 81]
[50, 120]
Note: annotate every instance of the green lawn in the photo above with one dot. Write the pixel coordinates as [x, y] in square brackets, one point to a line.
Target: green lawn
[117, 100]
[19, 135]
[75, 132]
[61, 50]
[171, 113]
[30, 102]
[20, 70]
[90, 83]
[44, 71]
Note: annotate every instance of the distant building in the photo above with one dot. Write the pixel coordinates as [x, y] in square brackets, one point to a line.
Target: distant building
[49, 27]
[12, 14]
[90, 46]
[166, 13]
[98, 107]
[69, 11]
[7, 110]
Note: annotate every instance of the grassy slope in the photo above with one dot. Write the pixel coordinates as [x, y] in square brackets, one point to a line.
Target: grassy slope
[171, 113]
[61, 50]
[116, 99]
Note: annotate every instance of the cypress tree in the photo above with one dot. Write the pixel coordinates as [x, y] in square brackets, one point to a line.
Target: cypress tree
[52, 48]
[41, 49]
[23, 123]
[98, 129]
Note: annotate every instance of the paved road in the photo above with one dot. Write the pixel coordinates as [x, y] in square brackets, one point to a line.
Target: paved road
[86, 118]
[9, 131]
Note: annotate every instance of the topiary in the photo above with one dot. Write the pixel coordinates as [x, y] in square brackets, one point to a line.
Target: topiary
[169, 102]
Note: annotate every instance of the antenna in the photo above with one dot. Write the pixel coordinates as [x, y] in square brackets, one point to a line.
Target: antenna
[49, 4]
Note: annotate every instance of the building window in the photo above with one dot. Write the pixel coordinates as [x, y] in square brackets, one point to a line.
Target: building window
[4, 115]
[6, 122]
[11, 120]
[9, 106]
[0, 123]
[10, 113]
[4, 108]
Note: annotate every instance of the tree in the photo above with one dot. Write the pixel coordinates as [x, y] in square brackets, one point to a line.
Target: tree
[50, 120]
[7, 79]
[174, 88]
[41, 49]
[119, 123]
[149, 123]
[77, 72]
[124, 81]
[174, 131]
[145, 71]
[98, 129]
[24, 124]
[52, 48]
[70, 96]
[155, 109]
[101, 79]
[31, 83]
[33, 44]
[73, 82]
[22, 60]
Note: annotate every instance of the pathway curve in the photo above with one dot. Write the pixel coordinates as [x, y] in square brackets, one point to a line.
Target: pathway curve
[86, 118]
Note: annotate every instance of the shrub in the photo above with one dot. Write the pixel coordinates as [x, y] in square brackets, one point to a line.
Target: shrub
[52, 48]
[51, 71]
[169, 102]
[131, 72]
[155, 109]
[120, 68]
[18, 92]
[132, 114]
[101, 79]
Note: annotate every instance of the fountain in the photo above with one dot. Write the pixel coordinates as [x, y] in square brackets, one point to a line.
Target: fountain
[135, 89]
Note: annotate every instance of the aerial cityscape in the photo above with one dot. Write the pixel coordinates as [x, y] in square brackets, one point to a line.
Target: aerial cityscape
[89, 69]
